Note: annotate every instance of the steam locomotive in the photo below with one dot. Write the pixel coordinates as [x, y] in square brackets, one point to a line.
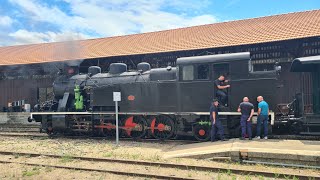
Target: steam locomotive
[162, 103]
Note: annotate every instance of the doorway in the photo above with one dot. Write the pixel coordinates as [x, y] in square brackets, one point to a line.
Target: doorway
[218, 70]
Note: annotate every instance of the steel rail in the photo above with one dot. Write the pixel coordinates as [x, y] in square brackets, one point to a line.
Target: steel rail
[14, 134]
[6, 133]
[280, 164]
[126, 173]
[18, 131]
[171, 165]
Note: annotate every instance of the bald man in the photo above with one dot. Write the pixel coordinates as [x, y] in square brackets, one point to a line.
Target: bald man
[263, 117]
[246, 109]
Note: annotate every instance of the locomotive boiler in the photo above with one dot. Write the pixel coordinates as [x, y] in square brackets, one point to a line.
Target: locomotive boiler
[162, 103]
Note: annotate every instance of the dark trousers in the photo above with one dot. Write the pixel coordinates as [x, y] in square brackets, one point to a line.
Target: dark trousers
[222, 96]
[217, 128]
[245, 126]
[262, 119]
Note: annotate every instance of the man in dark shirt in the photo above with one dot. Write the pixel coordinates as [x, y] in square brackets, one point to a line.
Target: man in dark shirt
[246, 109]
[221, 87]
[215, 121]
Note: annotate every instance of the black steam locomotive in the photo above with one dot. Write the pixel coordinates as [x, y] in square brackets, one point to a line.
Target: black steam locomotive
[163, 102]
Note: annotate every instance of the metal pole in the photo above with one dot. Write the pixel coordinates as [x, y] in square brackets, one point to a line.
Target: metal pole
[117, 125]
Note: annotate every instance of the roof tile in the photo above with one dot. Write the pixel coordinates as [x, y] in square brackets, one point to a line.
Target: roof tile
[233, 33]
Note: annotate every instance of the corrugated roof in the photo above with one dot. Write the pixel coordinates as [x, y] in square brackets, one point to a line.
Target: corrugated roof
[241, 32]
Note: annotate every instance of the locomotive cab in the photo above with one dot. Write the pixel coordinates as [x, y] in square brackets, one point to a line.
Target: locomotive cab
[306, 120]
[197, 76]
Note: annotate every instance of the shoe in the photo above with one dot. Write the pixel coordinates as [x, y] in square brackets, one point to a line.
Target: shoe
[242, 138]
[250, 138]
[257, 137]
[213, 140]
[224, 139]
[265, 137]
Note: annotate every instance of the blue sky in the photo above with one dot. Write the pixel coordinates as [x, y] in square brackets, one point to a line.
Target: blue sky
[36, 21]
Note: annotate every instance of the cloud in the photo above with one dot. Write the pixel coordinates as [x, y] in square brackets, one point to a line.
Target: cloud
[5, 21]
[26, 37]
[96, 18]
[37, 13]
[127, 17]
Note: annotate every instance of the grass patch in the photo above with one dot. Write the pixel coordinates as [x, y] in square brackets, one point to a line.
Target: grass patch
[34, 171]
[48, 169]
[16, 156]
[109, 154]
[155, 158]
[66, 158]
[136, 156]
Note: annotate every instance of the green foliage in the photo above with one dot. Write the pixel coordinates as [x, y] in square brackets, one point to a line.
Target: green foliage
[66, 158]
[16, 156]
[208, 123]
[219, 176]
[260, 177]
[229, 172]
[34, 171]
[109, 154]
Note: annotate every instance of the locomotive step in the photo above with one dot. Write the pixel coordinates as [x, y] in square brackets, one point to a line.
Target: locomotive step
[310, 133]
[313, 124]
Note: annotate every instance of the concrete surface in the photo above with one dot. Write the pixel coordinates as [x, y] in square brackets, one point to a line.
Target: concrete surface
[14, 118]
[283, 151]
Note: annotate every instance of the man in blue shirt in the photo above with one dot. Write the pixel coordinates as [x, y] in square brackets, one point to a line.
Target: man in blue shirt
[263, 117]
[215, 121]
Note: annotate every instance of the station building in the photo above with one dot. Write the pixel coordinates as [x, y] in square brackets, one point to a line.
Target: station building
[28, 71]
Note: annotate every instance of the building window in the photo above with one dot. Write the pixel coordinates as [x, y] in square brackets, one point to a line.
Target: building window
[187, 73]
[202, 71]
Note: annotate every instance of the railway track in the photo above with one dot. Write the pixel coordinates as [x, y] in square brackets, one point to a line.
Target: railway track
[150, 164]
[39, 135]
[35, 133]
[34, 128]
[19, 128]
[118, 172]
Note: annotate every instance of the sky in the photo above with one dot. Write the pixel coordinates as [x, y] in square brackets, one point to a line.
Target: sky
[39, 21]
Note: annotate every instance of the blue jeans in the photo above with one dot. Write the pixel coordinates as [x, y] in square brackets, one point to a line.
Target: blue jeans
[217, 126]
[222, 96]
[245, 126]
[262, 119]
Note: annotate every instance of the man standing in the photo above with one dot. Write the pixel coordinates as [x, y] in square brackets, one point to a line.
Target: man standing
[221, 89]
[263, 117]
[216, 123]
[246, 109]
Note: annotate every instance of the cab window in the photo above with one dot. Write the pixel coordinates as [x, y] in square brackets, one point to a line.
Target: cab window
[202, 72]
[187, 73]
